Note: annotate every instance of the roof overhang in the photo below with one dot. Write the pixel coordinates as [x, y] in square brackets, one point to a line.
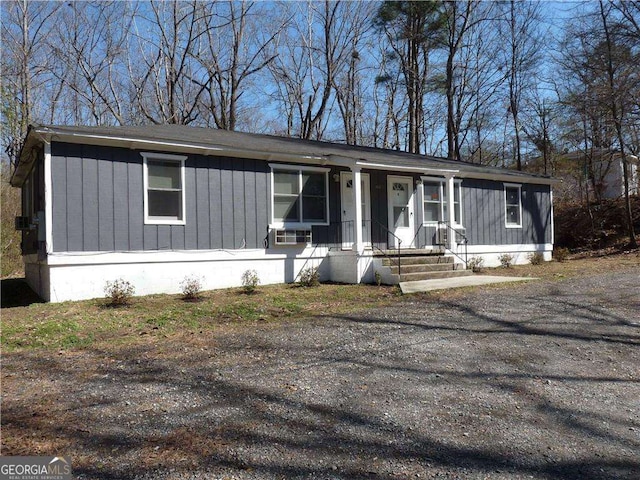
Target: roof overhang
[37, 135]
[28, 155]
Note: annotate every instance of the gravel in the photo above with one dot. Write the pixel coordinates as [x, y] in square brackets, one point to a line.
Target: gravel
[537, 380]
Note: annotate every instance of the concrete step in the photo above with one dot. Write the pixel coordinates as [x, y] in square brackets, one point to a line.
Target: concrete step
[410, 277]
[421, 260]
[425, 267]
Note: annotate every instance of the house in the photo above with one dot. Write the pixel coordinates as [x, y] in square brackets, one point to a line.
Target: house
[604, 168]
[613, 181]
[155, 204]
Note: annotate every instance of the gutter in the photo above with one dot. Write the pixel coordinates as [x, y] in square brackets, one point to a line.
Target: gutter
[46, 133]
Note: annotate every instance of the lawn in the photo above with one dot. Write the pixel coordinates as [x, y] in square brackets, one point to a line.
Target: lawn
[91, 323]
[533, 380]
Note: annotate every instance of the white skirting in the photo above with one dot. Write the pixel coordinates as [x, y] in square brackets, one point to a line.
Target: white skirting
[83, 275]
[519, 252]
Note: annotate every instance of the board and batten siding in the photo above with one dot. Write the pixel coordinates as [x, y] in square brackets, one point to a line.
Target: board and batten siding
[483, 214]
[98, 204]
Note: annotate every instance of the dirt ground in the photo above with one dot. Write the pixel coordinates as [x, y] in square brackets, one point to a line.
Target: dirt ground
[537, 380]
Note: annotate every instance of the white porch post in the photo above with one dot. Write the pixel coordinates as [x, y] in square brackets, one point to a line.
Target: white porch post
[451, 242]
[358, 244]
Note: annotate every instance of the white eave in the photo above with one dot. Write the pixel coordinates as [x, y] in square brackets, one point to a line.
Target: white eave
[431, 167]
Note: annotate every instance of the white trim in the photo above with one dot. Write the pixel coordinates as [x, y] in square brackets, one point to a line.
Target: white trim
[384, 166]
[293, 166]
[48, 198]
[169, 256]
[77, 277]
[519, 187]
[410, 200]
[366, 200]
[553, 235]
[300, 168]
[442, 181]
[520, 252]
[206, 149]
[223, 150]
[145, 185]
[516, 247]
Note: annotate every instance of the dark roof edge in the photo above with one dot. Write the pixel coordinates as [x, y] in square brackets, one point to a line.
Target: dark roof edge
[311, 150]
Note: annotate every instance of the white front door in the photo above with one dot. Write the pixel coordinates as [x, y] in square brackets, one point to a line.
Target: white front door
[348, 213]
[400, 204]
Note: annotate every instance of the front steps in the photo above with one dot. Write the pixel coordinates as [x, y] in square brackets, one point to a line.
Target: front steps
[420, 265]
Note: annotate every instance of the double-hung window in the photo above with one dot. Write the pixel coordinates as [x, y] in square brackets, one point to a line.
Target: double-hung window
[164, 194]
[513, 205]
[435, 201]
[300, 195]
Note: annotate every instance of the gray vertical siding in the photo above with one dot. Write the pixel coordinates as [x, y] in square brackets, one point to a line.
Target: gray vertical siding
[98, 202]
[483, 214]
[98, 205]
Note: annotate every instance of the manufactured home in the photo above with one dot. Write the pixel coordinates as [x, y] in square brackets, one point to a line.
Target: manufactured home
[155, 204]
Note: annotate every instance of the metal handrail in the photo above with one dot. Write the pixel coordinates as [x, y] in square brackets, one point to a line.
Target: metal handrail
[399, 243]
[465, 241]
[336, 237]
[416, 235]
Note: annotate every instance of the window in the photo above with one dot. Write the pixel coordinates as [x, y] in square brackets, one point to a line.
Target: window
[513, 206]
[164, 189]
[299, 195]
[435, 200]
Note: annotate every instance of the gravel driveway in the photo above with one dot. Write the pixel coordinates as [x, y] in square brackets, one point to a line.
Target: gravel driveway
[537, 380]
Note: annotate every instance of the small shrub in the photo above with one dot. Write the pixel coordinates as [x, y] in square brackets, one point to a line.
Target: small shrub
[250, 281]
[506, 260]
[310, 277]
[476, 264]
[191, 287]
[119, 292]
[561, 254]
[378, 277]
[536, 258]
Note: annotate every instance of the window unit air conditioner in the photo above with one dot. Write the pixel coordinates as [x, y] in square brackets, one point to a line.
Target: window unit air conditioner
[442, 235]
[461, 234]
[22, 223]
[291, 236]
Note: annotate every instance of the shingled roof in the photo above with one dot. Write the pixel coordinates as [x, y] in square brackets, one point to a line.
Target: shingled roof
[209, 141]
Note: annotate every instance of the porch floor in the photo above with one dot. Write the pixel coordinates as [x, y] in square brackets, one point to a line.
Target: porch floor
[456, 282]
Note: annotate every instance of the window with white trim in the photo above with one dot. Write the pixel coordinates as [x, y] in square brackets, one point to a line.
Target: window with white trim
[435, 200]
[513, 205]
[164, 195]
[300, 195]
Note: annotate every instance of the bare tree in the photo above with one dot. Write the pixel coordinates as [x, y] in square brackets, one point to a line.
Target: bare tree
[620, 64]
[312, 53]
[390, 106]
[233, 52]
[472, 75]
[355, 19]
[412, 30]
[90, 48]
[25, 68]
[459, 19]
[539, 118]
[161, 64]
[522, 52]
[630, 12]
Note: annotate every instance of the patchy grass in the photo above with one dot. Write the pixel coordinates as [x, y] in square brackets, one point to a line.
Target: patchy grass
[72, 325]
[77, 325]
[581, 264]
